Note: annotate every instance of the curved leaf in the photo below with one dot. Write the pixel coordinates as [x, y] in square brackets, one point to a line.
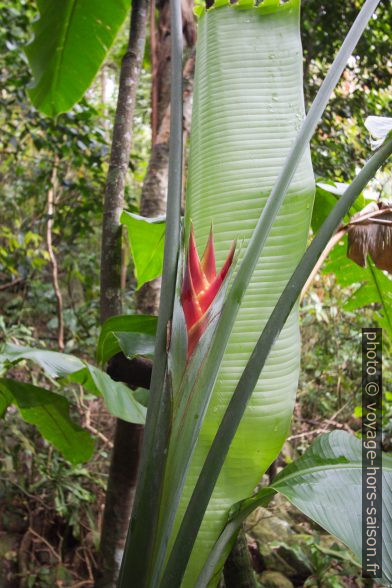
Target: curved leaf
[49, 412]
[55, 364]
[71, 40]
[142, 327]
[325, 484]
[120, 400]
[133, 344]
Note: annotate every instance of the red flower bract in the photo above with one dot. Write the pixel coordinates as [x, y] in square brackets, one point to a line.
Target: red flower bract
[200, 286]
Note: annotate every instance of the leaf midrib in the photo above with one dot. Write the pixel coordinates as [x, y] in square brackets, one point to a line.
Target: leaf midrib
[315, 469]
[63, 41]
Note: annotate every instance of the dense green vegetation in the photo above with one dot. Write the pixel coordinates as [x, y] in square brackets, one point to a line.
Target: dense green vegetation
[50, 508]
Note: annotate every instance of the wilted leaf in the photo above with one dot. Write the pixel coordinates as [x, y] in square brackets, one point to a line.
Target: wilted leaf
[372, 236]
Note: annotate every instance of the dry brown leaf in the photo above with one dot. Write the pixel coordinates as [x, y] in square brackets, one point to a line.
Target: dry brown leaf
[370, 233]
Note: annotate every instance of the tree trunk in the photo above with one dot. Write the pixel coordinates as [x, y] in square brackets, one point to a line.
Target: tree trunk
[128, 437]
[153, 200]
[123, 468]
[238, 570]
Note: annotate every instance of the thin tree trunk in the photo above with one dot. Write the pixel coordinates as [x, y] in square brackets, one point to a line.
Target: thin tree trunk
[128, 437]
[53, 261]
[123, 468]
[238, 570]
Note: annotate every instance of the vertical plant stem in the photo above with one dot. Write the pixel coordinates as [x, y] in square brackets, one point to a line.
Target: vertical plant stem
[124, 462]
[137, 562]
[53, 261]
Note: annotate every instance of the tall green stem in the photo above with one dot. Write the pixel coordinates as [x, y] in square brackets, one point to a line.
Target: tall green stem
[136, 566]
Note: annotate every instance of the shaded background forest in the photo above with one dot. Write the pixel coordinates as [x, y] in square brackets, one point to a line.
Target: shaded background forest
[51, 512]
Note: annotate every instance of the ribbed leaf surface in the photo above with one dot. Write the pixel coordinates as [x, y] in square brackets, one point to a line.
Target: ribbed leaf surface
[248, 107]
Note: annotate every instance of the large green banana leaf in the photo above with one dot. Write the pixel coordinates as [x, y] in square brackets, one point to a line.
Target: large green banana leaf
[71, 40]
[244, 122]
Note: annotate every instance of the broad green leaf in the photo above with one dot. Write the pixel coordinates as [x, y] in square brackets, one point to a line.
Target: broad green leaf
[133, 344]
[325, 484]
[119, 399]
[146, 239]
[55, 364]
[371, 285]
[323, 204]
[49, 412]
[71, 40]
[137, 335]
[327, 194]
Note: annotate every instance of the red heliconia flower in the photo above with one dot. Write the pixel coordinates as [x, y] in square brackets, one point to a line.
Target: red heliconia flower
[200, 286]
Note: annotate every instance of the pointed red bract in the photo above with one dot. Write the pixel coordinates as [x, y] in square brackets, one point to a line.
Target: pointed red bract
[200, 286]
[190, 304]
[207, 296]
[198, 277]
[208, 260]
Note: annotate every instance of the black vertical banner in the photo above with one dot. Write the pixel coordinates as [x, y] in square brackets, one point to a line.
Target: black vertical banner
[371, 453]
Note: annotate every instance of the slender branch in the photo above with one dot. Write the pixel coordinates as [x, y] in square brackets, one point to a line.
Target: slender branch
[330, 245]
[53, 261]
[11, 284]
